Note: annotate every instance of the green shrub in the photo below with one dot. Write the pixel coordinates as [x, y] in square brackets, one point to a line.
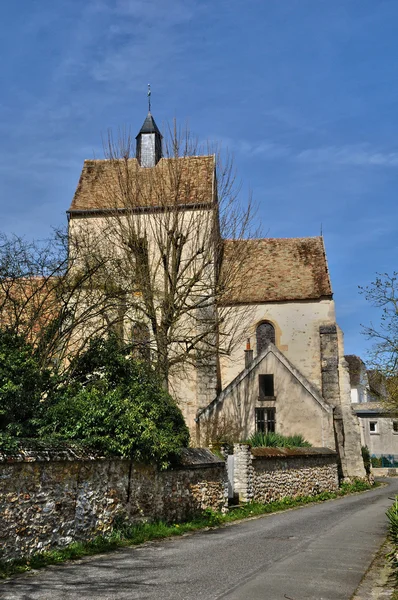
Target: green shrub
[117, 406]
[276, 440]
[22, 386]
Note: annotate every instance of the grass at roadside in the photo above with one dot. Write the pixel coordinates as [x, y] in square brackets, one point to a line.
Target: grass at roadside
[392, 556]
[125, 534]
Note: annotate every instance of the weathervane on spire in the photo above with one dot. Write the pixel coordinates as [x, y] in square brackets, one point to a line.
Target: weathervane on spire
[149, 97]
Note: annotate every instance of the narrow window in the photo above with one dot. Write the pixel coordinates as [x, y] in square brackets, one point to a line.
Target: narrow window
[373, 426]
[265, 420]
[260, 420]
[270, 419]
[395, 426]
[266, 386]
[265, 333]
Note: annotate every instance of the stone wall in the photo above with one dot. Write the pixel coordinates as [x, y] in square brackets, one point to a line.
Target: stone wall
[48, 500]
[267, 474]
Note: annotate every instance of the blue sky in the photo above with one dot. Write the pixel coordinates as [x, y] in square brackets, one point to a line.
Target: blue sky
[303, 92]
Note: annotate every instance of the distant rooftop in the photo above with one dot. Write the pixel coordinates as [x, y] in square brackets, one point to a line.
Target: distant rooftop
[282, 269]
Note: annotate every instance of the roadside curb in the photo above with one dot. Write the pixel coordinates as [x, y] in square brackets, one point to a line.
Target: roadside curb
[377, 583]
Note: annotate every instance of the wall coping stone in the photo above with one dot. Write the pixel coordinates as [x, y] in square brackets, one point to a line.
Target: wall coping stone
[42, 452]
[193, 458]
[291, 452]
[198, 458]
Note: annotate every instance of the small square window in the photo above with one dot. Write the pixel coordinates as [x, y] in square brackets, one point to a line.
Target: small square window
[395, 426]
[373, 427]
[265, 420]
[266, 386]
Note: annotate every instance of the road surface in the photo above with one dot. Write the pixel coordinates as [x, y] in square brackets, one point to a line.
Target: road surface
[318, 552]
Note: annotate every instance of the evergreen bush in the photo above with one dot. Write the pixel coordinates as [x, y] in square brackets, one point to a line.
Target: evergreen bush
[23, 384]
[107, 401]
[276, 440]
[117, 406]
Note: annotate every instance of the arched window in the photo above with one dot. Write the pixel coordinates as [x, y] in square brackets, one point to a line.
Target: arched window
[141, 341]
[265, 333]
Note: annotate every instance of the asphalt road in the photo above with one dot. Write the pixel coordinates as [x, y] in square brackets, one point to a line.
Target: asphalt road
[318, 552]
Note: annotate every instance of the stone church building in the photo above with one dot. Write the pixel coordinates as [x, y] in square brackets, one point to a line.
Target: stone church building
[286, 372]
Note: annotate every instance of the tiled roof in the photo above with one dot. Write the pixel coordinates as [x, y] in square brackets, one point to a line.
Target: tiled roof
[182, 181]
[279, 269]
[32, 302]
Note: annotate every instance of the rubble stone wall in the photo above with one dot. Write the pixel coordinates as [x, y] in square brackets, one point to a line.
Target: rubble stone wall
[48, 501]
[268, 474]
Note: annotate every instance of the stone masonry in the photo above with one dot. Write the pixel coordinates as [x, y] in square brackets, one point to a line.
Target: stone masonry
[243, 472]
[336, 391]
[268, 474]
[48, 500]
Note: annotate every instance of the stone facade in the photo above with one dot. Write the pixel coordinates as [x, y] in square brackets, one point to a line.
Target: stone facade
[48, 501]
[296, 326]
[268, 474]
[299, 407]
[379, 431]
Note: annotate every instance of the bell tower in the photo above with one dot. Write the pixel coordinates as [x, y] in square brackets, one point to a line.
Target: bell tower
[149, 140]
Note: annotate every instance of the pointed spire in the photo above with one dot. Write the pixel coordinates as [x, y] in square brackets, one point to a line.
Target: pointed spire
[149, 126]
[149, 139]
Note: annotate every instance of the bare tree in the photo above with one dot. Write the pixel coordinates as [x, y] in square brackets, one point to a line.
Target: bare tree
[383, 294]
[161, 232]
[49, 297]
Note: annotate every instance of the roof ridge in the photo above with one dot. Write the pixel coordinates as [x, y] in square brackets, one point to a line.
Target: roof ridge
[109, 160]
[309, 237]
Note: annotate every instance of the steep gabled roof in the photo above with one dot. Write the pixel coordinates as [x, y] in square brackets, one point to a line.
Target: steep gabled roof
[270, 349]
[117, 184]
[281, 269]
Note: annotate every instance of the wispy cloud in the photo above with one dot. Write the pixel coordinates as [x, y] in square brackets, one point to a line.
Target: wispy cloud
[361, 155]
[265, 150]
[113, 48]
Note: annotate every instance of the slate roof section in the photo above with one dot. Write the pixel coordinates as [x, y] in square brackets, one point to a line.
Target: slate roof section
[184, 181]
[149, 126]
[281, 269]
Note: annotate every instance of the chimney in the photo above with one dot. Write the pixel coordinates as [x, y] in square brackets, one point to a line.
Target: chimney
[248, 354]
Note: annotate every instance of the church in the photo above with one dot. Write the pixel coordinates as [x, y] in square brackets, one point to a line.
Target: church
[244, 329]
